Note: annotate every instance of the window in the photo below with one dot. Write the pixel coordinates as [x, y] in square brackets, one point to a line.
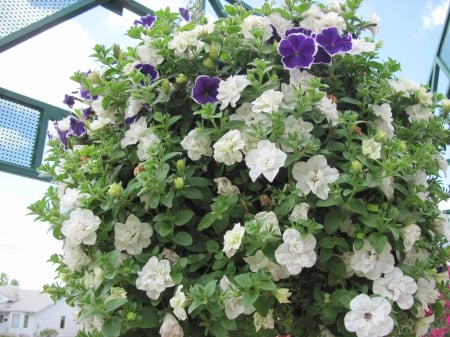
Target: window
[15, 320]
[62, 322]
[26, 318]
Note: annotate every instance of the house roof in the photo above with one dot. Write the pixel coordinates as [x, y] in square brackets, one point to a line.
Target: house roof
[21, 300]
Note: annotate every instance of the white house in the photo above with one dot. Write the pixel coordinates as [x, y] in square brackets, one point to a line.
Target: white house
[24, 313]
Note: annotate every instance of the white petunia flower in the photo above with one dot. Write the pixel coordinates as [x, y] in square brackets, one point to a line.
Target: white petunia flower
[369, 317]
[147, 53]
[196, 146]
[70, 199]
[397, 287]
[74, 257]
[371, 148]
[228, 149]
[225, 187]
[373, 20]
[368, 263]
[387, 187]
[81, 227]
[361, 46]
[265, 322]
[229, 91]
[420, 179]
[296, 253]
[170, 327]
[145, 143]
[266, 159]
[178, 303]
[442, 226]
[233, 301]
[260, 261]
[300, 212]
[269, 101]
[134, 133]
[426, 294]
[410, 234]
[279, 22]
[418, 112]
[315, 19]
[104, 116]
[314, 176]
[133, 235]
[133, 107]
[256, 22]
[422, 326]
[300, 78]
[233, 239]
[383, 119]
[269, 222]
[154, 277]
[328, 108]
[297, 127]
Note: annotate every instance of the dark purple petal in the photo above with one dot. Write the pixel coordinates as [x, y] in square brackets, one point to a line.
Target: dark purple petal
[86, 94]
[275, 36]
[62, 134]
[322, 56]
[131, 120]
[69, 100]
[296, 30]
[87, 112]
[146, 21]
[205, 89]
[184, 12]
[332, 42]
[297, 50]
[148, 70]
[77, 128]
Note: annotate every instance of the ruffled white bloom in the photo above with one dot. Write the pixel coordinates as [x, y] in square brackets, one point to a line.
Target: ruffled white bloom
[225, 187]
[371, 148]
[81, 227]
[426, 294]
[328, 108]
[300, 212]
[228, 149]
[154, 277]
[314, 176]
[397, 287]
[178, 303]
[147, 53]
[442, 226]
[196, 146]
[361, 46]
[384, 119]
[136, 131]
[104, 116]
[374, 23]
[316, 20]
[297, 127]
[265, 322]
[229, 91]
[300, 78]
[422, 326]
[420, 179]
[404, 85]
[369, 317]
[266, 159]
[133, 235]
[250, 118]
[296, 253]
[145, 143]
[94, 279]
[133, 107]
[170, 327]
[233, 239]
[347, 226]
[256, 23]
[260, 261]
[74, 257]
[269, 222]
[269, 101]
[414, 255]
[368, 263]
[387, 187]
[443, 164]
[184, 41]
[70, 199]
[410, 234]
[233, 300]
[279, 22]
[92, 323]
[418, 112]
[347, 259]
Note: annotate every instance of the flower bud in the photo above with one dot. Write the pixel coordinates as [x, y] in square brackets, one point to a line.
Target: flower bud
[181, 78]
[209, 63]
[326, 298]
[131, 316]
[403, 145]
[372, 208]
[116, 50]
[115, 190]
[356, 166]
[214, 51]
[282, 295]
[380, 135]
[178, 182]
[180, 165]
[165, 85]
[94, 78]
[360, 236]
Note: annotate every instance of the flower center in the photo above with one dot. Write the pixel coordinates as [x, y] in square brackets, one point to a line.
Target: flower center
[367, 316]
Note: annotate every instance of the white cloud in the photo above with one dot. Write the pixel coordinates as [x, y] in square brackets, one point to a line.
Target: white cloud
[435, 14]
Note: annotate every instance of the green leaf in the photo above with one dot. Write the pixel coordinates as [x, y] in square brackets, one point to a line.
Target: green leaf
[113, 304]
[207, 220]
[332, 221]
[358, 244]
[326, 242]
[331, 201]
[197, 181]
[371, 220]
[377, 241]
[343, 297]
[329, 314]
[111, 328]
[163, 228]
[183, 216]
[183, 239]
[212, 246]
[325, 254]
[192, 193]
[244, 280]
[357, 206]
[250, 297]
[210, 288]
[337, 266]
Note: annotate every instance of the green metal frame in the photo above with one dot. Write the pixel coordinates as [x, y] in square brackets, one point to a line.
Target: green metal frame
[439, 63]
[47, 113]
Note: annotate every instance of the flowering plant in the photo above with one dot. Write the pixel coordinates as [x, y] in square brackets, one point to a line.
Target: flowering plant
[260, 174]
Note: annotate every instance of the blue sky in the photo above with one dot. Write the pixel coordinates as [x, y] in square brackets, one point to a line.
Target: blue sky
[41, 67]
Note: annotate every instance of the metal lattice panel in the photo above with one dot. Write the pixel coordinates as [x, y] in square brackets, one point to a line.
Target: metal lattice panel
[18, 131]
[18, 14]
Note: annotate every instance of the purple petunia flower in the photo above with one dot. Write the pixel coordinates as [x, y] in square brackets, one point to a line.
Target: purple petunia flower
[296, 30]
[322, 56]
[205, 89]
[297, 50]
[184, 12]
[76, 129]
[69, 100]
[147, 69]
[87, 112]
[146, 21]
[332, 42]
